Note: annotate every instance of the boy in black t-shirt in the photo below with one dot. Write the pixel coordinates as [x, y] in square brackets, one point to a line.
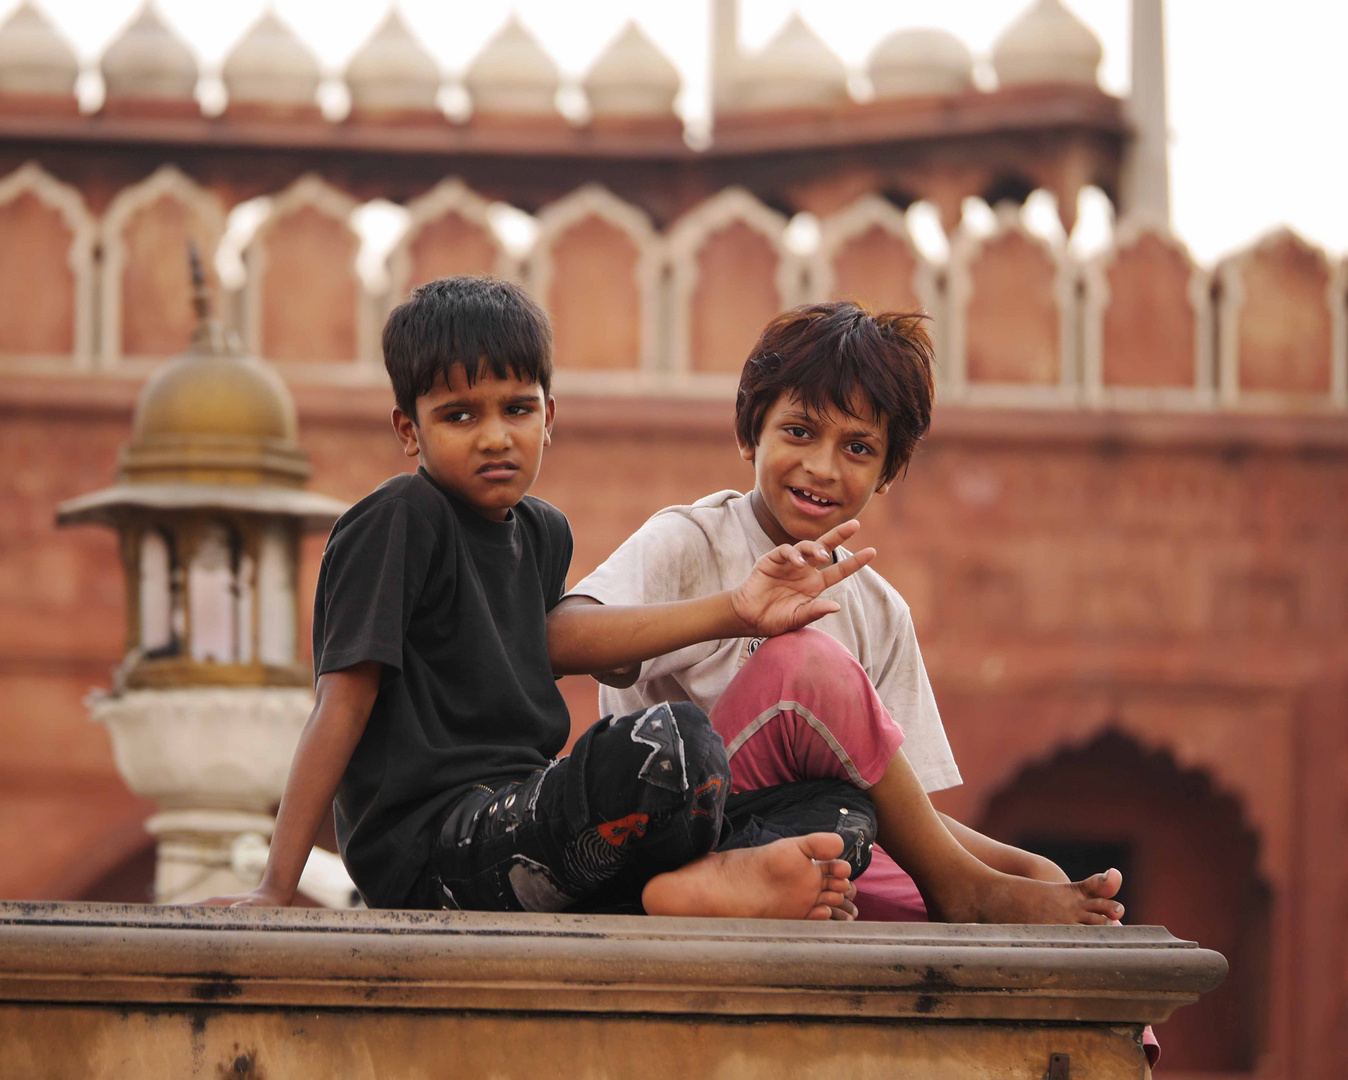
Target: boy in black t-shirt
[437, 718]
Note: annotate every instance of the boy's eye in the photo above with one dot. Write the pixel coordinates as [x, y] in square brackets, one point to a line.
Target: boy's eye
[796, 431]
[458, 416]
[519, 410]
[858, 448]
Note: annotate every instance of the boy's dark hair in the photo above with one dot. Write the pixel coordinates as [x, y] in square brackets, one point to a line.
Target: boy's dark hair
[824, 354]
[476, 322]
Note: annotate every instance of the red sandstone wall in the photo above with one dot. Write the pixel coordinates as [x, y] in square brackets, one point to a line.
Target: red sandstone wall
[1181, 582]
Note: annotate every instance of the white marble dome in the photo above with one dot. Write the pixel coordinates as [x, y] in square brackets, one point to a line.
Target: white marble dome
[393, 70]
[1047, 44]
[512, 74]
[271, 65]
[632, 77]
[795, 69]
[34, 57]
[149, 60]
[916, 62]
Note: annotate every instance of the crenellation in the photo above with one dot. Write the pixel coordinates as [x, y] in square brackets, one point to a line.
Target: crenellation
[586, 237]
[1279, 320]
[303, 299]
[46, 270]
[145, 307]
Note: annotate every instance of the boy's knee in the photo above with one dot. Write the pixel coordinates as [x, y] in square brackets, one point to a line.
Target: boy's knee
[664, 757]
[809, 657]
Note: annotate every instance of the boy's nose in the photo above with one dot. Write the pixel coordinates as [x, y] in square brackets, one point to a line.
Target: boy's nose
[822, 465]
[494, 436]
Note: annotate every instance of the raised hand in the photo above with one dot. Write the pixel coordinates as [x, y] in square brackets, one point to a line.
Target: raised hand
[782, 592]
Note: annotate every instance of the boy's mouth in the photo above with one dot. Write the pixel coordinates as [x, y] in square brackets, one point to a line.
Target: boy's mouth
[811, 502]
[498, 470]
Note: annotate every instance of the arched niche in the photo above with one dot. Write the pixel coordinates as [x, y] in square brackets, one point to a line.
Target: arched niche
[303, 298]
[596, 267]
[146, 291]
[46, 269]
[1191, 864]
[1011, 301]
[448, 233]
[1281, 322]
[867, 254]
[1147, 321]
[730, 273]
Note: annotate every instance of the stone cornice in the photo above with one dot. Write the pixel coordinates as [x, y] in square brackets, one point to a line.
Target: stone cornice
[624, 965]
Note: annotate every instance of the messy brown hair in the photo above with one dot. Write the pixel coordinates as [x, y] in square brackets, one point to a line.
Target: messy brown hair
[826, 355]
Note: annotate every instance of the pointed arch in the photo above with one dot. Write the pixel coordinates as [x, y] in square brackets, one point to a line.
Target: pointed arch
[58, 273]
[146, 293]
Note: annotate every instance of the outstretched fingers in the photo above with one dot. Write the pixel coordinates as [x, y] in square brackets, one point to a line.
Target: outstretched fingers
[847, 567]
[839, 533]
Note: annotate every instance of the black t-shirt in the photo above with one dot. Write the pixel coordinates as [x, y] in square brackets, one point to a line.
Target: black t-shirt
[453, 605]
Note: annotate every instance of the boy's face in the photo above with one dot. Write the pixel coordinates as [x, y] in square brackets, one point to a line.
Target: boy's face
[482, 443]
[813, 471]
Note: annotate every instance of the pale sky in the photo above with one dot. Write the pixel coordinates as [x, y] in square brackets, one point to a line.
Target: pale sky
[1257, 91]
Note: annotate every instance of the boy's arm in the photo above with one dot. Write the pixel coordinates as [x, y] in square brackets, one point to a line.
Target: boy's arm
[781, 594]
[341, 710]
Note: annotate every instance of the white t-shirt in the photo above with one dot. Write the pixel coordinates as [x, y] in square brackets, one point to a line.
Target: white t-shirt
[685, 552]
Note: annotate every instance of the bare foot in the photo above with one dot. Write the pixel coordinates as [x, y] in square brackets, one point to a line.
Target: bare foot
[1005, 898]
[797, 878]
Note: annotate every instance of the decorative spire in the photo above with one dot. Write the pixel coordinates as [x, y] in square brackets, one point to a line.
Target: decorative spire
[1047, 44]
[393, 70]
[209, 338]
[271, 65]
[632, 77]
[34, 57]
[796, 69]
[513, 74]
[911, 63]
[149, 60]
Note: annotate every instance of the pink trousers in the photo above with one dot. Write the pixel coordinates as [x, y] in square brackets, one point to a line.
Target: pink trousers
[803, 708]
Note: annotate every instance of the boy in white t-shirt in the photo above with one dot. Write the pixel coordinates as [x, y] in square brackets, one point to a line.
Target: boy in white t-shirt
[831, 405]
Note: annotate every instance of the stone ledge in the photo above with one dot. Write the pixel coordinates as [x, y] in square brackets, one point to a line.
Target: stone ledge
[126, 955]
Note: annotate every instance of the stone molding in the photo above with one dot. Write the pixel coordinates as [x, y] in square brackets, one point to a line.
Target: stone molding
[31, 178]
[577, 964]
[1094, 304]
[595, 200]
[165, 180]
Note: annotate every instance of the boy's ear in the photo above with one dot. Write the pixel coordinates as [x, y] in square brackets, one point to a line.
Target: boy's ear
[549, 412]
[884, 487]
[746, 449]
[405, 427]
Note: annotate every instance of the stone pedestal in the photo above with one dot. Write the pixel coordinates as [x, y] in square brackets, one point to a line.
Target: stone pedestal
[215, 760]
[94, 991]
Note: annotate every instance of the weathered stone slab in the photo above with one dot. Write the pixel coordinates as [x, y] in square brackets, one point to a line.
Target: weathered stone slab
[95, 990]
